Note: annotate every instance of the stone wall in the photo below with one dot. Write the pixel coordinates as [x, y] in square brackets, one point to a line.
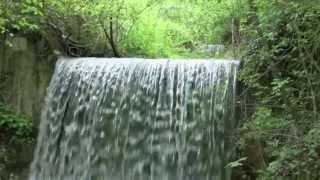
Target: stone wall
[26, 67]
[25, 71]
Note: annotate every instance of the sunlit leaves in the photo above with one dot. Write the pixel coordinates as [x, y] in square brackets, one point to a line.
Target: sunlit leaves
[20, 16]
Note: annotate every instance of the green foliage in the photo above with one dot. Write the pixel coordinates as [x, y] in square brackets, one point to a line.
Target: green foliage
[281, 70]
[148, 28]
[211, 21]
[295, 160]
[15, 126]
[281, 66]
[288, 154]
[264, 123]
[172, 24]
[20, 16]
[150, 37]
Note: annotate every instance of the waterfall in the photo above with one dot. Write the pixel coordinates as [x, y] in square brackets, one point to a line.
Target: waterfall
[136, 119]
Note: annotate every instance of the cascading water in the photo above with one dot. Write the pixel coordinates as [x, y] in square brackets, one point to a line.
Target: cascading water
[134, 119]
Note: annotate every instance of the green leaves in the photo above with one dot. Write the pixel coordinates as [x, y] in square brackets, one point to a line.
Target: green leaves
[88, 22]
[265, 122]
[18, 126]
[280, 71]
[20, 16]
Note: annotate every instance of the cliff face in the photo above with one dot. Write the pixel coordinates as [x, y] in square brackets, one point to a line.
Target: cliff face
[26, 66]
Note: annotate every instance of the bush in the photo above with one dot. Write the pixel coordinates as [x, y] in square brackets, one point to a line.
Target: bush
[16, 126]
[281, 70]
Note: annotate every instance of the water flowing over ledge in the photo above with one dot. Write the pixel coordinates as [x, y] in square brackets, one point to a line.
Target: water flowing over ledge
[137, 119]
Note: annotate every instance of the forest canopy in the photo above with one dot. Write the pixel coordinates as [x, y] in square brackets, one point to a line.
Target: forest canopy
[150, 28]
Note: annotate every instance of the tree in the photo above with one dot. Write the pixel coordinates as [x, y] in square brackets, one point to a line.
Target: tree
[116, 19]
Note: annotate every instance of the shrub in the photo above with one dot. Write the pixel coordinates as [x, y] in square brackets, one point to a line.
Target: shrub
[13, 125]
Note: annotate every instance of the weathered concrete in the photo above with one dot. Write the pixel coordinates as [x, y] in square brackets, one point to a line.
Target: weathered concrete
[26, 67]
[25, 72]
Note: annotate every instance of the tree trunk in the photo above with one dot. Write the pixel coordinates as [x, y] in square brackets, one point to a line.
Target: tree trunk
[112, 43]
[110, 37]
